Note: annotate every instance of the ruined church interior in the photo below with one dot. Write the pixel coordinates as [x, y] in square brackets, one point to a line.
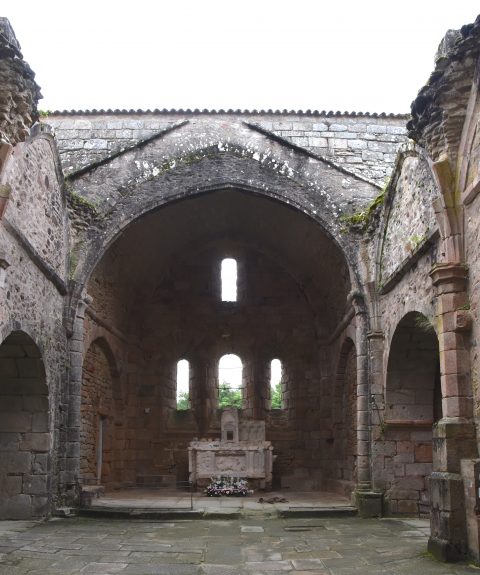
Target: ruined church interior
[285, 297]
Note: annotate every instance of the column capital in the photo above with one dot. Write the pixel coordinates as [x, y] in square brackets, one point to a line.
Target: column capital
[449, 277]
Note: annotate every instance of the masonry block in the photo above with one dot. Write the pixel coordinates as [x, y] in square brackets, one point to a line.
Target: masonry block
[16, 507]
[452, 442]
[39, 442]
[35, 485]
[448, 539]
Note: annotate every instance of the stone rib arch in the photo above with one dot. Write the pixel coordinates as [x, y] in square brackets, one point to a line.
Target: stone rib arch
[245, 160]
[100, 241]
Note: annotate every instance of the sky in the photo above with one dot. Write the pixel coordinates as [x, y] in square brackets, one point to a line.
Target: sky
[342, 55]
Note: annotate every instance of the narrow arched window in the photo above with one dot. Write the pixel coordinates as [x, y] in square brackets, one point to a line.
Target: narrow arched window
[230, 381]
[183, 385]
[276, 384]
[228, 276]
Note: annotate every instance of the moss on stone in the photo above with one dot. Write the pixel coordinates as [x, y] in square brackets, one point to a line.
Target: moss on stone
[362, 220]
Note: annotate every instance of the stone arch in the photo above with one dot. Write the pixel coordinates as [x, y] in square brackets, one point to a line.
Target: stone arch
[102, 429]
[345, 417]
[24, 429]
[237, 167]
[412, 406]
[179, 243]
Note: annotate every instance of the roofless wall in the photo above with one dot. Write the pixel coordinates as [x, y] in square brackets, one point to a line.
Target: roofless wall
[362, 144]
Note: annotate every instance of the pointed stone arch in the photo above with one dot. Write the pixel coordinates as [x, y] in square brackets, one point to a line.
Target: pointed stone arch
[25, 438]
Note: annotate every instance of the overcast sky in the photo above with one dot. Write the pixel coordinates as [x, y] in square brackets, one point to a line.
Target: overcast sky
[298, 54]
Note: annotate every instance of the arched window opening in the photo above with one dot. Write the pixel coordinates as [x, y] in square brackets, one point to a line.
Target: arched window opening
[183, 385]
[276, 384]
[229, 279]
[230, 381]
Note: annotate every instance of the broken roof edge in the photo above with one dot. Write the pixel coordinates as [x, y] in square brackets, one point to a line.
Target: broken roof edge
[205, 111]
[455, 45]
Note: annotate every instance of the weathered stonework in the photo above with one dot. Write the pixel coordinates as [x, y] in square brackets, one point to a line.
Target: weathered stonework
[365, 289]
[19, 93]
[363, 144]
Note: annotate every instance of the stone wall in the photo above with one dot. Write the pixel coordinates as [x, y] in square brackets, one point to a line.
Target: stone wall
[471, 183]
[37, 206]
[365, 145]
[404, 411]
[410, 217]
[33, 235]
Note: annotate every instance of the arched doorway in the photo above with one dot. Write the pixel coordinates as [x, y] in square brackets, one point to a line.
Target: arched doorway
[24, 430]
[412, 405]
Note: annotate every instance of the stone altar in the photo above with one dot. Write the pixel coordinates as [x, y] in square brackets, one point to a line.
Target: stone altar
[241, 452]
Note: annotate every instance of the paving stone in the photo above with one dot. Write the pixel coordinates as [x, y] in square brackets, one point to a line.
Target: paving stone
[268, 566]
[257, 555]
[306, 564]
[209, 569]
[103, 568]
[252, 529]
[165, 569]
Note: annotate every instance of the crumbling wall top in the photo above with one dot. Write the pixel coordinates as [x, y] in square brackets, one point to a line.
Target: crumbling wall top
[19, 93]
[438, 111]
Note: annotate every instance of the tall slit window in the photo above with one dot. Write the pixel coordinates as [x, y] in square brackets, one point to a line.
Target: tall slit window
[183, 385]
[228, 276]
[230, 381]
[276, 384]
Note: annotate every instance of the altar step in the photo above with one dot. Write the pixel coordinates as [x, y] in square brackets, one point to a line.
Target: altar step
[212, 513]
[157, 504]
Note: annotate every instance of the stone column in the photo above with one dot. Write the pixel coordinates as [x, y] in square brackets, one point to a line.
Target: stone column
[369, 501]
[454, 435]
[201, 395]
[71, 474]
[260, 383]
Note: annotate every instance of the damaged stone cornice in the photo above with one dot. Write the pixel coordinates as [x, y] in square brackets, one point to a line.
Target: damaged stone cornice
[438, 112]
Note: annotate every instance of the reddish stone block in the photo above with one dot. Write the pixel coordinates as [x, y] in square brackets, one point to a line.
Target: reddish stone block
[450, 340]
[454, 361]
[423, 453]
[405, 447]
[451, 302]
[422, 469]
[446, 321]
[457, 406]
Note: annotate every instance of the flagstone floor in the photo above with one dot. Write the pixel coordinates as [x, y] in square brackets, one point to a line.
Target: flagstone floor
[255, 546]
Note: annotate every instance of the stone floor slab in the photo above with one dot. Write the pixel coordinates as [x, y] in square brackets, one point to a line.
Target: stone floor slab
[330, 546]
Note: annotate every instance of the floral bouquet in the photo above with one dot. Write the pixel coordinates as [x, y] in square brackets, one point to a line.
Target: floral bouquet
[229, 486]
